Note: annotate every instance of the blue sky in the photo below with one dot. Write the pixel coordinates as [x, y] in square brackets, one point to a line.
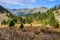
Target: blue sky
[28, 3]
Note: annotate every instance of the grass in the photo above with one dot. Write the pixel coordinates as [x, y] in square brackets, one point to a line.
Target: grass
[29, 33]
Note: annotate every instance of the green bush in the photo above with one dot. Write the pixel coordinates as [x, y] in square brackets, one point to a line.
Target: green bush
[15, 19]
[3, 22]
[54, 22]
[28, 19]
[11, 24]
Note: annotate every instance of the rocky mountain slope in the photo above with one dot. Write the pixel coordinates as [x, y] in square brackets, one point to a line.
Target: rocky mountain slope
[25, 11]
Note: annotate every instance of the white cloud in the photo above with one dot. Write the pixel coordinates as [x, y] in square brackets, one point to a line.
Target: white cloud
[32, 0]
[12, 2]
[17, 2]
[47, 0]
[51, 0]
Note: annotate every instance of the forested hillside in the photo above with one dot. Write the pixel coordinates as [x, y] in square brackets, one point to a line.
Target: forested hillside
[45, 18]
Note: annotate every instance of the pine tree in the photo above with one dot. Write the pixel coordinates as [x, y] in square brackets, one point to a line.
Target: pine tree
[11, 24]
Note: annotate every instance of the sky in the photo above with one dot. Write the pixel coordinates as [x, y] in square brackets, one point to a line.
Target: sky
[15, 4]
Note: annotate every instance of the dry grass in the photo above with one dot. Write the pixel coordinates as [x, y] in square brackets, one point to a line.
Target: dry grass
[3, 17]
[29, 33]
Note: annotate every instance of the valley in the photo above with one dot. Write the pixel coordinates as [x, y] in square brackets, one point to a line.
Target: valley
[30, 24]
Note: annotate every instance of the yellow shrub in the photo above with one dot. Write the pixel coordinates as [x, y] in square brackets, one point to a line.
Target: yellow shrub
[36, 22]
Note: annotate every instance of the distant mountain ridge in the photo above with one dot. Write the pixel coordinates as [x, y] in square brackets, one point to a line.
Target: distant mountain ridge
[25, 11]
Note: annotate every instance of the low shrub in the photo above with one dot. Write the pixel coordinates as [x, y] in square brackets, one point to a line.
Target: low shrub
[21, 26]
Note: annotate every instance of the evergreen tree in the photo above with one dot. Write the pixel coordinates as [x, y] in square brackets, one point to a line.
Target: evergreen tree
[53, 21]
[11, 23]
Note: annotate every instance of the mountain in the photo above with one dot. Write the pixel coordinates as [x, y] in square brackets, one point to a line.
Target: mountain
[3, 13]
[25, 11]
[2, 10]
